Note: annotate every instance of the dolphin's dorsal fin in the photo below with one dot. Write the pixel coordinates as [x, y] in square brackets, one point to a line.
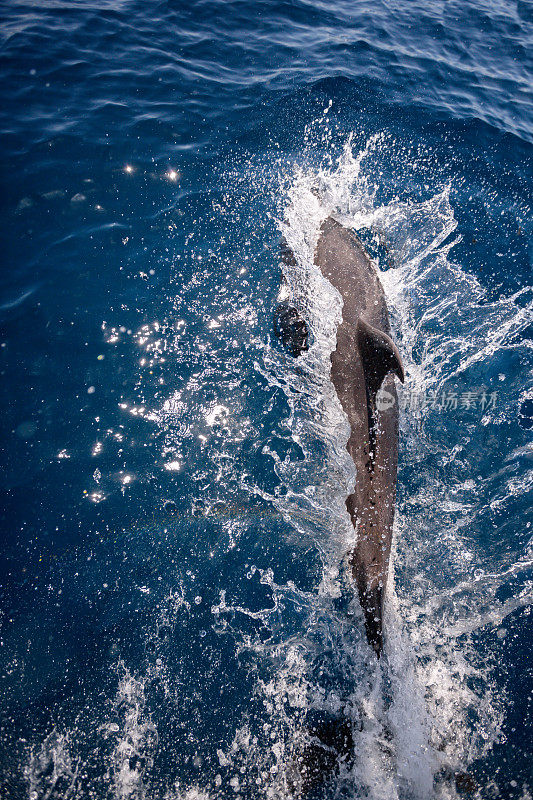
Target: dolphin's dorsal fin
[380, 355]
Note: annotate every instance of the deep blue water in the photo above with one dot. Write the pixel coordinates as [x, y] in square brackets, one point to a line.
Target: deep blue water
[174, 610]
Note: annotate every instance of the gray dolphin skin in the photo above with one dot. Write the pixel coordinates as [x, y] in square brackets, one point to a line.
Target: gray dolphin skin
[364, 363]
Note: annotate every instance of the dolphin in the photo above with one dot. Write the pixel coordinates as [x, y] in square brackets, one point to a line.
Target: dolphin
[363, 366]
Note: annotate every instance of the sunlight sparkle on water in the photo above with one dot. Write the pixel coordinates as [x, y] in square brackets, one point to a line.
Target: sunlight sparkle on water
[97, 497]
[173, 466]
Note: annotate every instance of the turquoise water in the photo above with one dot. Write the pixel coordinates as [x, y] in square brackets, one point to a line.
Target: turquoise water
[175, 611]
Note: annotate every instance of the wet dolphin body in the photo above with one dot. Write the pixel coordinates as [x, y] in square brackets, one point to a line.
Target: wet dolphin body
[364, 363]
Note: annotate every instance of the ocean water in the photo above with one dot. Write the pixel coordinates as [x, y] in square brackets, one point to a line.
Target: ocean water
[175, 614]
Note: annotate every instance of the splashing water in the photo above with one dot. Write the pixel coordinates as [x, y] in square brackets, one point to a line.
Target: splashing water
[51, 771]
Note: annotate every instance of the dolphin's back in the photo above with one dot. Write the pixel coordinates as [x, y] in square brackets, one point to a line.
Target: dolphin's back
[363, 362]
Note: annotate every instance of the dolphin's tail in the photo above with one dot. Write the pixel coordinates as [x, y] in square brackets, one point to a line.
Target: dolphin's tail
[371, 600]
